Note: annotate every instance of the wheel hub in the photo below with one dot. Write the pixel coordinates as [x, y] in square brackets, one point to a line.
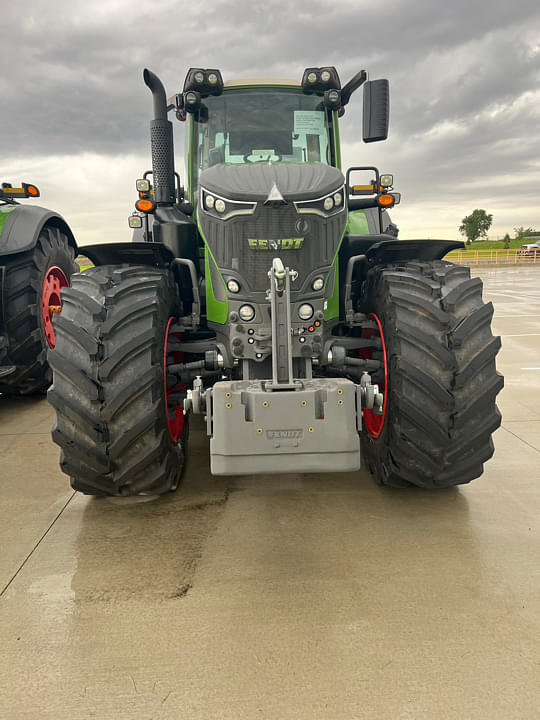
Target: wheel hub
[51, 304]
[173, 391]
[374, 421]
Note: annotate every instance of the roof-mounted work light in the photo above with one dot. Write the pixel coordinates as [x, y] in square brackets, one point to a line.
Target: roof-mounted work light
[318, 80]
[332, 99]
[204, 82]
[192, 101]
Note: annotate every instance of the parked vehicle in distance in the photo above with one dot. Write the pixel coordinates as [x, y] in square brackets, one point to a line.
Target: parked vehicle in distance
[530, 250]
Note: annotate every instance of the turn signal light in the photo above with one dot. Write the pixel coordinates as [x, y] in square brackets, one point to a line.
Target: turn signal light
[386, 200]
[145, 206]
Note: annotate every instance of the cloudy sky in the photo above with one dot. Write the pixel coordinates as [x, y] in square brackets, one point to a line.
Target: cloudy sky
[464, 82]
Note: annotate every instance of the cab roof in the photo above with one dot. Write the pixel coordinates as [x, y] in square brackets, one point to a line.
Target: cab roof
[242, 82]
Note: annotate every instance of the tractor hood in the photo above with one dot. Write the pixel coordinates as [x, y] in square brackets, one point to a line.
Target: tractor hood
[255, 181]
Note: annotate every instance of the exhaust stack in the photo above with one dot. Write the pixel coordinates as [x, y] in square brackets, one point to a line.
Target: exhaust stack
[161, 138]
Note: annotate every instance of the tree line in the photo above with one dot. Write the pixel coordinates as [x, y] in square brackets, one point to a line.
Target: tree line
[476, 225]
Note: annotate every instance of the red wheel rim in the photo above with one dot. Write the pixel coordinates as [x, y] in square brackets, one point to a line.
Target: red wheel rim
[51, 303]
[373, 422]
[175, 412]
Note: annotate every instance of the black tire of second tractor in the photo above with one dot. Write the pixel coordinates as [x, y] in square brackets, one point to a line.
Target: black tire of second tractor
[108, 382]
[442, 381]
[25, 343]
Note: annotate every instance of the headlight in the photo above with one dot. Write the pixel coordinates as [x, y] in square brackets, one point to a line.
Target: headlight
[327, 205]
[312, 77]
[212, 79]
[233, 286]
[247, 313]
[223, 208]
[325, 76]
[199, 77]
[305, 311]
[318, 284]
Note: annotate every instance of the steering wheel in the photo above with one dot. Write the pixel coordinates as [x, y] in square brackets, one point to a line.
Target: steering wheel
[260, 157]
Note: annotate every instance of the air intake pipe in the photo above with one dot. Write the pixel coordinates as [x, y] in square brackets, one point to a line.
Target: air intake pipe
[161, 137]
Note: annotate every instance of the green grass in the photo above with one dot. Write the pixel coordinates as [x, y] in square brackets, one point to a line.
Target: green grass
[495, 245]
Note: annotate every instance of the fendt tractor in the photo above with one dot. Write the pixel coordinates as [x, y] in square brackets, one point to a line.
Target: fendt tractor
[272, 298]
[37, 252]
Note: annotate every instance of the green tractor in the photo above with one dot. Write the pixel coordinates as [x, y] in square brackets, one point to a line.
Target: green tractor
[273, 298]
[37, 259]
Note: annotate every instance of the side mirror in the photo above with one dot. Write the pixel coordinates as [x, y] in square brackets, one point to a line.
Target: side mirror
[376, 110]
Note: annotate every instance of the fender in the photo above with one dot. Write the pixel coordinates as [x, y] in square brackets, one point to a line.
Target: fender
[23, 226]
[392, 251]
[382, 249]
[153, 254]
[136, 253]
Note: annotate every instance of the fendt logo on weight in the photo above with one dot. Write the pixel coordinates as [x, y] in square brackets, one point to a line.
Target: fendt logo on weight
[284, 434]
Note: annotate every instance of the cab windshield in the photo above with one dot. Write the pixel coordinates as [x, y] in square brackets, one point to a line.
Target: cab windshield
[261, 124]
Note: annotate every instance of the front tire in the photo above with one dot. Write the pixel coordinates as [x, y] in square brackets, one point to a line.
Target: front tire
[109, 383]
[32, 284]
[442, 382]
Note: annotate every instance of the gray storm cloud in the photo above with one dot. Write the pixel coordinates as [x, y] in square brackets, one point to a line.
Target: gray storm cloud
[464, 83]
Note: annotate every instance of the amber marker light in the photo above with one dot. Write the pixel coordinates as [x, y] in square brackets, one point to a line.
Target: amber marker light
[145, 206]
[32, 190]
[386, 200]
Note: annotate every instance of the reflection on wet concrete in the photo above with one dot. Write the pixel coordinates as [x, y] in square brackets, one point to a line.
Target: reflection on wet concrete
[301, 596]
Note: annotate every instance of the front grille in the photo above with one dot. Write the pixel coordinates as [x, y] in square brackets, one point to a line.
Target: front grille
[228, 241]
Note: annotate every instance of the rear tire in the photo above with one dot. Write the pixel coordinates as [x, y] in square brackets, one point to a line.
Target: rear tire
[25, 343]
[442, 381]
[108, 382]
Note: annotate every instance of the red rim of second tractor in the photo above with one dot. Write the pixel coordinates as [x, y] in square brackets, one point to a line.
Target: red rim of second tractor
[175, 413]
[372, 422]
[51, 304]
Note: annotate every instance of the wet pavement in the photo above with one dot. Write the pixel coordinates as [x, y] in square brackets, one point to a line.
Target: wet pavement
[302, 596]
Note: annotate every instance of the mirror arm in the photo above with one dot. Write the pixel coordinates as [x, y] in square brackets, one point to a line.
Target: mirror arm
[353, 84]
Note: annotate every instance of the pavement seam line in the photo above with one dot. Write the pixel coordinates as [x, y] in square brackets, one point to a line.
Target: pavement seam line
[508, 431]
[32, 551]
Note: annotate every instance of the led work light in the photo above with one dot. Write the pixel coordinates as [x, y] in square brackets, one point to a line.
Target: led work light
[135, 221]
[142, 185]
[204, 82]
[319, 80]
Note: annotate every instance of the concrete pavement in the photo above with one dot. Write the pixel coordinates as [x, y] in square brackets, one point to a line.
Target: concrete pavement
[302, 596]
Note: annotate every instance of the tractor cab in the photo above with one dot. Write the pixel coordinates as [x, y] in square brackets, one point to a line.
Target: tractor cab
[257, 123]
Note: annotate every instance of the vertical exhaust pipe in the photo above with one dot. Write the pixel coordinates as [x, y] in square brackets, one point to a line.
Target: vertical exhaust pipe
[161, 137]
